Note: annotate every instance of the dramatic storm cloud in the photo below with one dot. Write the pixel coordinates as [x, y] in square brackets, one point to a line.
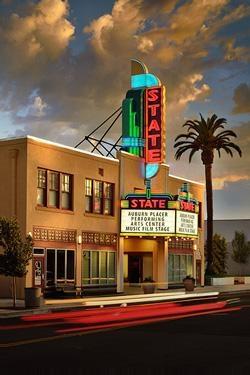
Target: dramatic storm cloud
[60, 77]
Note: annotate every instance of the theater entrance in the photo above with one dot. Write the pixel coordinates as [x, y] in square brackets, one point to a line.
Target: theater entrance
[137, 267]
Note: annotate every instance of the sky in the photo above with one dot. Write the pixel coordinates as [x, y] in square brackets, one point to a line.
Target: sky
[65, 67]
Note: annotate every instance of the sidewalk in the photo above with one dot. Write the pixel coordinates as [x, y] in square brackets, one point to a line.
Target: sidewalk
[131, 295]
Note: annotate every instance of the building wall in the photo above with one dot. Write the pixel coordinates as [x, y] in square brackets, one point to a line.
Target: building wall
[13, 158]
[227, 228]
[132, 181]
[81, 165]
[19, 162]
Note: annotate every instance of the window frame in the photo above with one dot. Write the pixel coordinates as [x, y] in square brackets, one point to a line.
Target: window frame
[60, 281]
[45, 198]
[53, 189]
[59, 190]
[70, 192]
[99, 279]
[104, 197]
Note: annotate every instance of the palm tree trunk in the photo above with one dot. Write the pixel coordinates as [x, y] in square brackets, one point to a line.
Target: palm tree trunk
[209, 200]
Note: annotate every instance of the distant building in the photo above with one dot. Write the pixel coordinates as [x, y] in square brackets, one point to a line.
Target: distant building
[227, 228]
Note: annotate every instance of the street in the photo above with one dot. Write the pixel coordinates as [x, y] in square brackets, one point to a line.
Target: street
[206, 337]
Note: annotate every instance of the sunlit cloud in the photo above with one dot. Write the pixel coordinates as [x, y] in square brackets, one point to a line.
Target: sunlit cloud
[43, 33]
[220, 182]
[242, 99]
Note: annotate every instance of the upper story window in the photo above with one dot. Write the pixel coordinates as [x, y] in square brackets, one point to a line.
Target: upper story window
[108, 198]
[88, 195]
[66, 191]
[54, 189]
[99, 197]
[41, 187]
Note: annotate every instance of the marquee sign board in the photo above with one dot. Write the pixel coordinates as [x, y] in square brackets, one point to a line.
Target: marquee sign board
[186, 223]
[161, 215]
[149, 222]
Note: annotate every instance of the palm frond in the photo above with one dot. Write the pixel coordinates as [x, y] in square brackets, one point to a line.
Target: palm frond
[181, 136]
[201, 136]
[228, 133]
[219, 123]
[192, 152]
[183, 143]
[219, 153]
[228, 150]
[181, 150]
[235, 147]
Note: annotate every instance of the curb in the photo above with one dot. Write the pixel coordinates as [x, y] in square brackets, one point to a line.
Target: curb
[109, 303]
[97, 302]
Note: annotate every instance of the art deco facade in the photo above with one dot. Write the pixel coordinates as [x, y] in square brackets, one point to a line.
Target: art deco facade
[69, 200]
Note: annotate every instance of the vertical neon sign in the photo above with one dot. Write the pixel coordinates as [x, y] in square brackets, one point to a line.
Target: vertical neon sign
[143, 120]
[154, 125]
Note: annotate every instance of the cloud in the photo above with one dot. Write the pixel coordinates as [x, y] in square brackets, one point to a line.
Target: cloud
[227, 169]
[233, 201]
[233, 53]
[242, 99]
[38, 107]
[34, 39]
[173, 38]
[195, 92]
[220, 182]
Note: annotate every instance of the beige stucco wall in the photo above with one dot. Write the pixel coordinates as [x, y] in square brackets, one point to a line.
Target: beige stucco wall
[19, 160]
[13, 158]
[18, 191]
[81, 165]
[131, 180]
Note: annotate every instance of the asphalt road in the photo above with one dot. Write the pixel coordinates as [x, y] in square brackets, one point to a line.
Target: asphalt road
[196, 339]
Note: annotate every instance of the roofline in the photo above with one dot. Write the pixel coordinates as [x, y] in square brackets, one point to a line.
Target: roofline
[185, 179]
[41, 140]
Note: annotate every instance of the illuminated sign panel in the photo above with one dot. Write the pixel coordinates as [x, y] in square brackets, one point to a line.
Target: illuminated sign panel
[147, 222]
[156, 203]
[186, 223]
[154, 124]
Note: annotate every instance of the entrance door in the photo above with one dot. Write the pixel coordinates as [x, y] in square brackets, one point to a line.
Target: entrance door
[60, 268]
[134, 268]
[38, 271]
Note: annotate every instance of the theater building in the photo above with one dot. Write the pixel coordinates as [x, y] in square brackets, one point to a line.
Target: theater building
[98, 222]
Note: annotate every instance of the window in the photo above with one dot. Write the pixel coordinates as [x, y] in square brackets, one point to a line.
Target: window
[108, 198]
[41, 187]
[97, 204]
[99, 197]
[88, 195]
[179, 266]
[54, 189]
[60, 267]
[66, 192]
[98, 267]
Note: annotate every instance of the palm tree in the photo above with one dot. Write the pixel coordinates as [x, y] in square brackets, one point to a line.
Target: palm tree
[201, 136]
